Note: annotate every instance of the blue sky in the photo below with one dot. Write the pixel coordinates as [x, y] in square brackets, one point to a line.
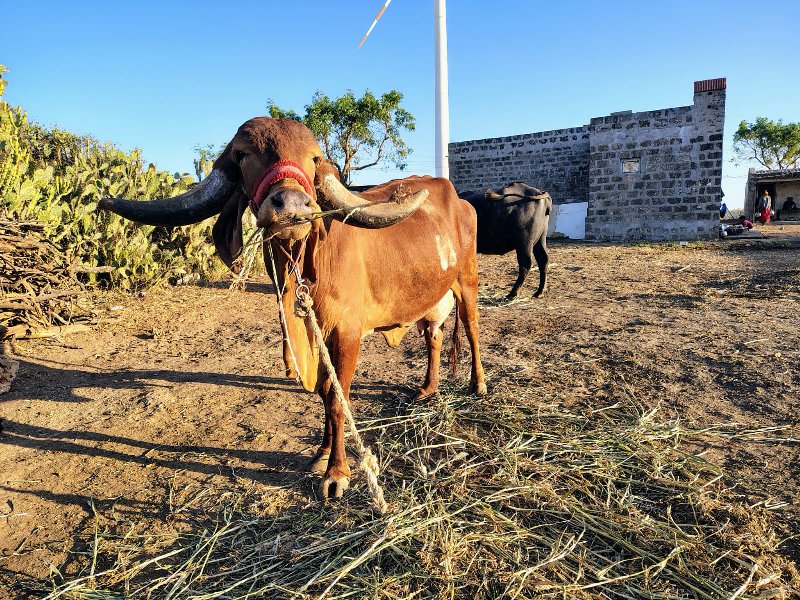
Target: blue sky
[166, 76]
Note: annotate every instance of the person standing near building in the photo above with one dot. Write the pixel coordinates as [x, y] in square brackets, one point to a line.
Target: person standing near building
[763, 207]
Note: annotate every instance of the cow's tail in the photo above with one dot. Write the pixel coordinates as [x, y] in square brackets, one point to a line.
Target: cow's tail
[455, 348]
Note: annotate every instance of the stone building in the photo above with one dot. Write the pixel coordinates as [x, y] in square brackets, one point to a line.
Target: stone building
[651, 175]
[781, 184]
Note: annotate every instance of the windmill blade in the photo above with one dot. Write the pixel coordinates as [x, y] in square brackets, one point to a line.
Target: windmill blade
[371, 27]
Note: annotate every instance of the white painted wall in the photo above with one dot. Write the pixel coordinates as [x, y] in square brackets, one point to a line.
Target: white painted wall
[568, 220]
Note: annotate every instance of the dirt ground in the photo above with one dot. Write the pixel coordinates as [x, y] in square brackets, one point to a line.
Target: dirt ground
[182, 389]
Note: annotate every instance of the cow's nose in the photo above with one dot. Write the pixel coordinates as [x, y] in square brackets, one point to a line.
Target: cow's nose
[281, 205]
[291, 202]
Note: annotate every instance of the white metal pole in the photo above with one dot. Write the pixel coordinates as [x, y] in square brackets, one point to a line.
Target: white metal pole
[442, 112]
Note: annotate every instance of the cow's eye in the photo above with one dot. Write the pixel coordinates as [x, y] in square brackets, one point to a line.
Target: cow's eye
[239, 156]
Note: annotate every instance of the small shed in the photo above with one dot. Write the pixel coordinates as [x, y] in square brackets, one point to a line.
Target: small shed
[780, 184]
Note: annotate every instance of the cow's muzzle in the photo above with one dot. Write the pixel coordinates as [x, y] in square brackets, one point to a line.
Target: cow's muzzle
[282, 200]
[285, 211]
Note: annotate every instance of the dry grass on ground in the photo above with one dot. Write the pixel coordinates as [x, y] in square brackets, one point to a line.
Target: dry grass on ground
[639, 440]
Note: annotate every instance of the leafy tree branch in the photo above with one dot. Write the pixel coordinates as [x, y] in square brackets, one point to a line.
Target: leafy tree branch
[774, 145]
[356, 133]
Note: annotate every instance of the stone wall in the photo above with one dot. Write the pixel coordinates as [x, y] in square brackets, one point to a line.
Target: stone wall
[709, 126]
[652, 175]
[556, 161]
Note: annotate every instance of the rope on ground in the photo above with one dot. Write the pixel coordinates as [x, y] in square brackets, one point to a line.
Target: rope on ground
[368, 463]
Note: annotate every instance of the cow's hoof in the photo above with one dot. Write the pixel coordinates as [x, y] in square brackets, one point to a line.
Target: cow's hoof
[480, 389]
[334, 487]
[423, 393]
[538, 293]
[319, 463]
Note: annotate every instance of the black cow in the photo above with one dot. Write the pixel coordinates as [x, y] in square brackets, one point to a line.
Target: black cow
[516, 218]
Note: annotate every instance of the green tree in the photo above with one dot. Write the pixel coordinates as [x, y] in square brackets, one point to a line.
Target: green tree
[356, 133]
[773, 145]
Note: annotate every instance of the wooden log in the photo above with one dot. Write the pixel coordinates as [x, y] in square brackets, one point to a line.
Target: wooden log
[16, 306]
[43, 297]
[81, 269]
[26, 332]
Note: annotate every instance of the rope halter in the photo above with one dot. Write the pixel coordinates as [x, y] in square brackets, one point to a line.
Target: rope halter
[285, 169]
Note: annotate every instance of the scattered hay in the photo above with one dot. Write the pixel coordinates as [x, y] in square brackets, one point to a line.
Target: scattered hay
[492, 497]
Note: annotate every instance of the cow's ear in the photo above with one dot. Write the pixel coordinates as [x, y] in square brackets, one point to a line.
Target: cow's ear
[227, 231]
[324, 167]
[490, 194]
[227, 164]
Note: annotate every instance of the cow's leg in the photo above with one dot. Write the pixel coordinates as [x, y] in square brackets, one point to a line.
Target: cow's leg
[525, 261]
[542, 258]
[320, 461]
[466, 292]
[288, 359]
[431, 326]
[433, 340]
[344, 347]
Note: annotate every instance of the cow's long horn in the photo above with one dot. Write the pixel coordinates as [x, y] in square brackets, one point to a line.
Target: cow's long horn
[363, 213]
[205, 200]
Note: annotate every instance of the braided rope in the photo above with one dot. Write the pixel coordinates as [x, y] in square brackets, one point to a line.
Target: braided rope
[284, 324]
[368, 463]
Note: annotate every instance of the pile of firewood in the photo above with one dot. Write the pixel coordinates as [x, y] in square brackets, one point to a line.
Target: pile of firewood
[40, 295]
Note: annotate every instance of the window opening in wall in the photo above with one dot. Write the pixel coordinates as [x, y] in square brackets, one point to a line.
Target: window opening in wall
[630, 165]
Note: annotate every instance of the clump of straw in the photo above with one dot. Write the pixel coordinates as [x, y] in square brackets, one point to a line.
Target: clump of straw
[493, 497]
[245, 263]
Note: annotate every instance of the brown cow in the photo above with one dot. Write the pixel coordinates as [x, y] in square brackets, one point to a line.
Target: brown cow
[362, 274]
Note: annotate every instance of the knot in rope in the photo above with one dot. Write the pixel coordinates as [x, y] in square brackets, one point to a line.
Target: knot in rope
[302, 307]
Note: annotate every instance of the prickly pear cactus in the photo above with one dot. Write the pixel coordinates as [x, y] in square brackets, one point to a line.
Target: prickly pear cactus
[57, 178]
